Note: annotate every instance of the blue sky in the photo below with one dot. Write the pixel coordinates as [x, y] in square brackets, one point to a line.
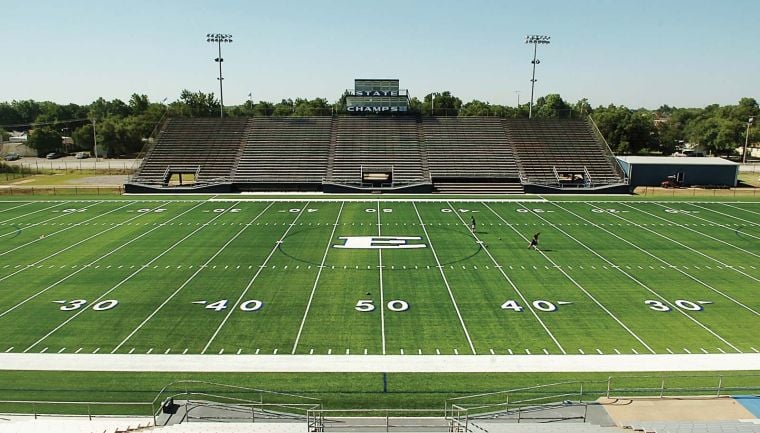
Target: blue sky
[641, 53]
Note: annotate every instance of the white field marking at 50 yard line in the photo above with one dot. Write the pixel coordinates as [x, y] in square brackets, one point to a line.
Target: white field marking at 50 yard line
[527, 304]
[576, 284]
[120, 283]
[725, 214]
[62, 214]
[632, 278]
[665, 262]
[34, 212]
[189, 279]
[316, 280]
[382, 292]
[253, 279]
[733, 229]
[31, 265]
[177, 363]
[445, 280]
[86, 266]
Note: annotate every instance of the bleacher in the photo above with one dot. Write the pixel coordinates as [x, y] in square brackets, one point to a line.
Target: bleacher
[470, 155]
[546, 149]
[353, 153]
[210, 148]
[285, 150]
[373, 145]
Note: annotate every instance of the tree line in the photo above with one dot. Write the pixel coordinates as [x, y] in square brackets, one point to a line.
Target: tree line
[121, 128]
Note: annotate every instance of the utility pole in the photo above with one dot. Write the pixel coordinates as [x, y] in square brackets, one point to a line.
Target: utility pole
[518, 98]
[535, 40]
[746, 140]
[219, 38]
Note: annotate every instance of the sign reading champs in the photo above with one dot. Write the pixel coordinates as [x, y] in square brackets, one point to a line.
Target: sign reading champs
[377, 96]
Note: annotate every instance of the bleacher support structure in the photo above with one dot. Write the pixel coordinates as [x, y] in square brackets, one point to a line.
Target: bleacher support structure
[378, 153]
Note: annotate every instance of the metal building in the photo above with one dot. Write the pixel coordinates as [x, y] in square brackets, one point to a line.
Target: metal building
[688, 171]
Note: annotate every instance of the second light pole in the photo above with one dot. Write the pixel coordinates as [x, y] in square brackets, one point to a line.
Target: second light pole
[535, 40]
[219, 38]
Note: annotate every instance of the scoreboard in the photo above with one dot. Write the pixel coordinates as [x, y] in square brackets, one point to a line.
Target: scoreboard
[377, 96]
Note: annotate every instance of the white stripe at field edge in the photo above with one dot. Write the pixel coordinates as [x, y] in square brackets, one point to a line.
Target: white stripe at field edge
[316, 280]
[527, 304]
[677, 269]
[178, 363]
[253, 279]
[445, 280]
[572, 280]
[372, 200]
[189, 279]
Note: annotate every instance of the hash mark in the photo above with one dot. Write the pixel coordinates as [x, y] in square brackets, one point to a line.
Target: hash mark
[62, 349]
[581, 351]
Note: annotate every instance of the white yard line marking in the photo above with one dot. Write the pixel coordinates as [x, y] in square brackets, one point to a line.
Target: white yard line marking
[740, 208]
[724, 214]
[445, 280]
[88, 265]
[190, 278]
[15, 207]
[316, 281]
[382, 292]
[572, 280]
[527, 304]
[74, 244]
[37, 211]
[120, 283]
[664, 262]
[253, 279]
[56, 232]
[641, 284]
[700, 252]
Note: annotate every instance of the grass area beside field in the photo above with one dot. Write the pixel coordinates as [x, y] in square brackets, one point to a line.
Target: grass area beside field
[69, 179]
[349, 390]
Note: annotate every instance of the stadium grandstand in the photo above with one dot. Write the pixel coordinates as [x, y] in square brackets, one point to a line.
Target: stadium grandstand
[379, 146]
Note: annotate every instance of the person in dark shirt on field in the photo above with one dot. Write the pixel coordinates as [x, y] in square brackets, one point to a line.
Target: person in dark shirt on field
[534, 242]
[472, 224]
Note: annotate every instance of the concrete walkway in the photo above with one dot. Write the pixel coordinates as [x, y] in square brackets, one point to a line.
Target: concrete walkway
[379, 363]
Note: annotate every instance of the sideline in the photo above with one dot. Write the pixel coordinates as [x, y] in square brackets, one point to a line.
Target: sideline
[380, 363]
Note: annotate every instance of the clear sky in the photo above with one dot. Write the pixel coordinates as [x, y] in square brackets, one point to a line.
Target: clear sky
[644, 53]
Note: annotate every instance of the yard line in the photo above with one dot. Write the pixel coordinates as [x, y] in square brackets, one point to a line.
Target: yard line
[253, 279]
[692, 249]
[634, 279]
[82, 268]
[740, 208]
[316, 280]
[527, 304]
[190, 278]
[16, 207]
[559, 268]
[70, 246]
[445, 280]
[43, 222]
[34, 212]
[727, 227]
[382, 293]
[693, 278]
[724, 214]
[120, 283]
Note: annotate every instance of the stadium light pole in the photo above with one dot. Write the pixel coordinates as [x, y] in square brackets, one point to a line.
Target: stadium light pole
[219, 38]
[746, 140]
[535, 40]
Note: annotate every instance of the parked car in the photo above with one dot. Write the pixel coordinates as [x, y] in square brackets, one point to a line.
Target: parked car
[82, 155]
[12, 157]
[53, 155]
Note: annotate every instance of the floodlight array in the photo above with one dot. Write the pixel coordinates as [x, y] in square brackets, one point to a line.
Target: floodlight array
[537, 39]
[218, 37]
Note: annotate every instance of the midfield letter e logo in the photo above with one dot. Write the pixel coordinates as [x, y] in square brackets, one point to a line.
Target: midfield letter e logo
[379, 242]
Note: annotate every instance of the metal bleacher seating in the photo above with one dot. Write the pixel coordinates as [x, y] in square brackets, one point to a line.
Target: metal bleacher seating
[546, 147]
[463, 149]
[208, 147]
[285, 150]
[376, 143]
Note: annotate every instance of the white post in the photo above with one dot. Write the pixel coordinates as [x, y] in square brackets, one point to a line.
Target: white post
[94, 140]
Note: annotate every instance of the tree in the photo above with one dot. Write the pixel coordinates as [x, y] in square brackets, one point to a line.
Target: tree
[138, 104]
[82, 136]
[551, 106]
[718, 135]
[476, 108]
[45, 140]
[197, 104]
[445, 104]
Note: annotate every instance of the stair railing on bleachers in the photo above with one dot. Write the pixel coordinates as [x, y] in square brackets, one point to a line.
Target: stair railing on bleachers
[610, 155]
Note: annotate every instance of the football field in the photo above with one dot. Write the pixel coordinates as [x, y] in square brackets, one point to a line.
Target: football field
[379, 277]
